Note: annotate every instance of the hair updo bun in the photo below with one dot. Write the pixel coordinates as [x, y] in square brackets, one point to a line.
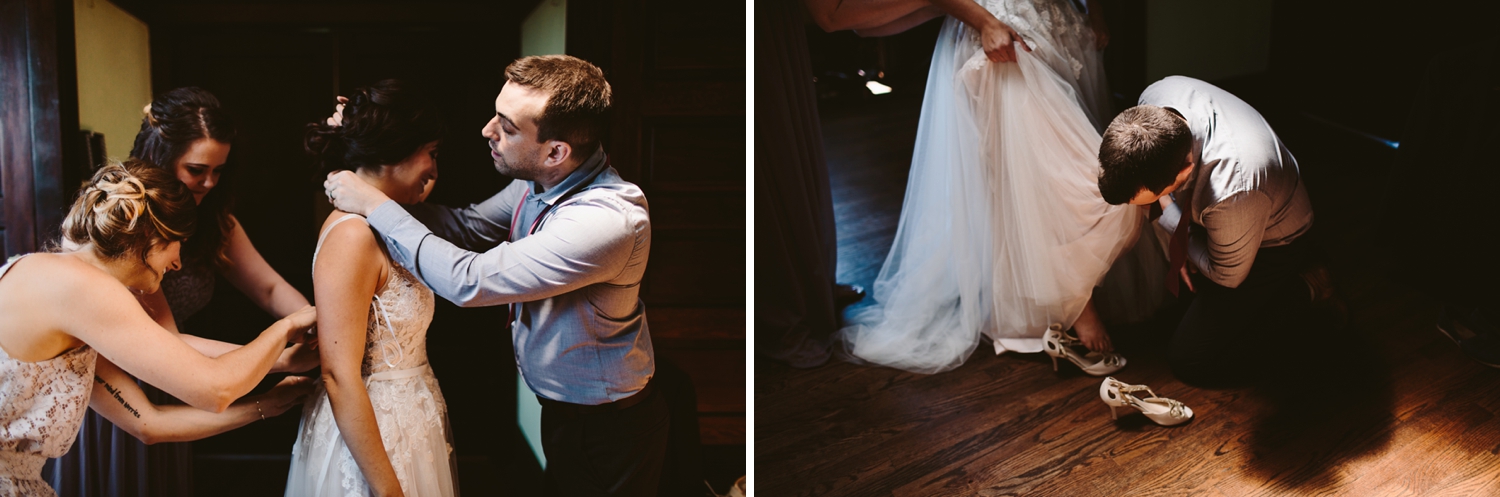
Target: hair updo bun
[129, 207]
[383, 124]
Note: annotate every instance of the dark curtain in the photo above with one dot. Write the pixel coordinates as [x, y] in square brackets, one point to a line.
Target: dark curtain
[795, 251]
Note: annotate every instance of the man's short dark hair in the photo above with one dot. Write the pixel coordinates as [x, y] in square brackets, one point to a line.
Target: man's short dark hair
[1144, 147]
[580, 97]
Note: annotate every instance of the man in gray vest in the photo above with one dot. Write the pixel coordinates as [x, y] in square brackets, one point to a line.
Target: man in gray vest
[565, 245]
[1228, 197]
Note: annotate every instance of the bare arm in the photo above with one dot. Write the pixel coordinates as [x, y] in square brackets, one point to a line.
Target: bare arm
[117, 397]
[115, 324]
[1096, 23]
[294, 359]
[839, 15]
[912, 20]
[344, 286]
[256, 279]
[995, 37]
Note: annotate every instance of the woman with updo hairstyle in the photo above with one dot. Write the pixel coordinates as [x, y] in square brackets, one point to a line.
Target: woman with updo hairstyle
[376, 424]
[188, 134]
[73, 332]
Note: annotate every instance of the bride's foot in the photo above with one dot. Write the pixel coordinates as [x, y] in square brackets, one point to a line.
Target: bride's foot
[1061, 345]
[1091, 332]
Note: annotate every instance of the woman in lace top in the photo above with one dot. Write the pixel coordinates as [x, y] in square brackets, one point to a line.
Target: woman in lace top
[188, 134]
[377, 424]
[72, 330]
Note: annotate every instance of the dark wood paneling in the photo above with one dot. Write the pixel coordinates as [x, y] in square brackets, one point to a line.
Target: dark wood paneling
[692, 35]
[15, 126]
[169, 13]
[677, 68]
[695, 155]
[697, 328]
[696, 210]
[31, 123]
[689, 269]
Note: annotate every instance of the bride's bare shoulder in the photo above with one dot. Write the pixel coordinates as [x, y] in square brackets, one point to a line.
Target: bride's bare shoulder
[351, 238]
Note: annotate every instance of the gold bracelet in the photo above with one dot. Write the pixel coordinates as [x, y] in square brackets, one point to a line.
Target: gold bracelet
[257, 409]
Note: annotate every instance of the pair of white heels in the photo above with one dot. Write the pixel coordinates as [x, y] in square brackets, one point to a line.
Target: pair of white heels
[1114, 393]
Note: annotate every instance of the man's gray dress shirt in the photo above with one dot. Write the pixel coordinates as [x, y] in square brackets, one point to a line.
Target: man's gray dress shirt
[1246, 193]
[580, 328]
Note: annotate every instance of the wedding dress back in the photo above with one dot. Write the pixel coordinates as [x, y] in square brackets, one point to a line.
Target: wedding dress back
[41, 405]
[409, 407]
[1003, 230]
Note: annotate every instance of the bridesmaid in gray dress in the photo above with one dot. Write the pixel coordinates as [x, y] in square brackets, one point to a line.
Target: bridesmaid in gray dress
[187, 132]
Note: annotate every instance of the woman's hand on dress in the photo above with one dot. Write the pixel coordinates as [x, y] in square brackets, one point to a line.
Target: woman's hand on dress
[298, 358]
[291, 391]
[300, 324]
[998, 41]
[1096, 23]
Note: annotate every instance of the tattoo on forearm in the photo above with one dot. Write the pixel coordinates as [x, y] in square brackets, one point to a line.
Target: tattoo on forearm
[116, 392]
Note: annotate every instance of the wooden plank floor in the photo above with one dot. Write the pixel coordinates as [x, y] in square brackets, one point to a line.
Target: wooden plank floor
[1395, 409]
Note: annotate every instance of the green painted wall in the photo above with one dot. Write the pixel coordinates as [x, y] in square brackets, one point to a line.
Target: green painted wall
[1208, 40]
[114, 72]
[544, 32]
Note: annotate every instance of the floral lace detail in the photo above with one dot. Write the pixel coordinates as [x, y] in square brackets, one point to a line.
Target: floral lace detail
[401, 342]
[1054, 29]
[409, 408]
[188, 290]
[41, 406]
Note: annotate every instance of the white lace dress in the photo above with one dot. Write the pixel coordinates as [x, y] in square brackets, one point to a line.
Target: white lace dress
[409, 408]
[1003, 230]
[41, 405]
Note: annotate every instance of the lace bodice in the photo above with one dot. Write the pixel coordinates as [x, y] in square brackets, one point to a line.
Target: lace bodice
[396, 330]
[41, 405]
[1054, 29]
[189, 289]
[409, 408]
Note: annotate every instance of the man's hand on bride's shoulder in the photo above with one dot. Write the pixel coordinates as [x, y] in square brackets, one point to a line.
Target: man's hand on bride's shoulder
[350, 194]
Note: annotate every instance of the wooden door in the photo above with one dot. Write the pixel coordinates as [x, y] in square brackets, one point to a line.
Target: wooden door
[677, 68]
[38, 109]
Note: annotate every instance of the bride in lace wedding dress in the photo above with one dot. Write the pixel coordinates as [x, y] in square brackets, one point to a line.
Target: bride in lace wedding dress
[377, 423]
[1003, 232]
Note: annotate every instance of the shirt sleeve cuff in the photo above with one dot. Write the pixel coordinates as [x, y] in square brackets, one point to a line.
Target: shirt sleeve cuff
[401, 232]
[1170, 216]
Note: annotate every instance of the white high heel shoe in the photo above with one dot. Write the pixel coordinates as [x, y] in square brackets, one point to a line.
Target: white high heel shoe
[1060, 345]
[1160, 410]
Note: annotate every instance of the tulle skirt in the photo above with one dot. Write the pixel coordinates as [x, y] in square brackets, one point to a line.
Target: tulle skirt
[1003, 231]
[413, 422]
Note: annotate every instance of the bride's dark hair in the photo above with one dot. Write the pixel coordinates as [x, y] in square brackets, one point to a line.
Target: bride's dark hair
[383, 124]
